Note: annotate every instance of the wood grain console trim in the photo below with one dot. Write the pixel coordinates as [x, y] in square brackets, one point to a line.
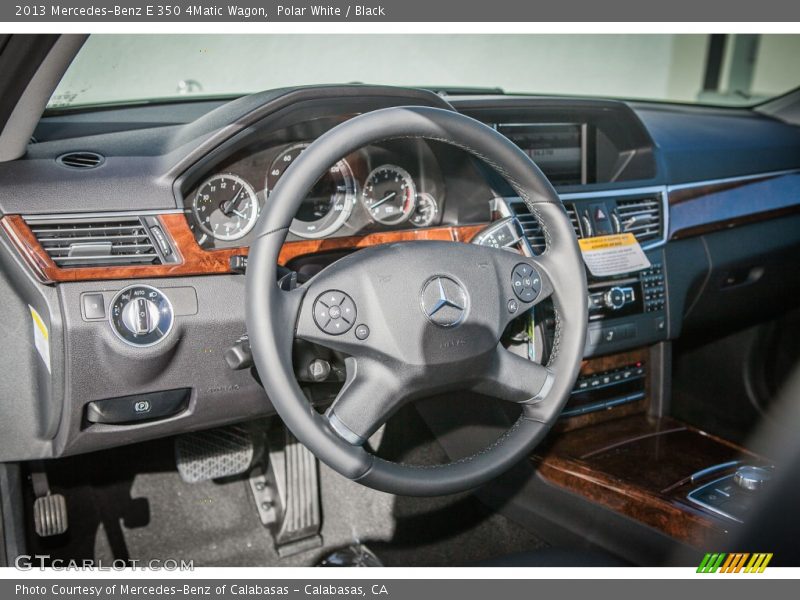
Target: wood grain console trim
[642, 467]
[194, 260]
[681, 522]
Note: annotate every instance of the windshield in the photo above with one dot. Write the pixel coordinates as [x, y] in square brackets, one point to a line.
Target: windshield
[709, 69]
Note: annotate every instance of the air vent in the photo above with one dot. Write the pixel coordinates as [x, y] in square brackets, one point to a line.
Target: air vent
[533, 230]
[97, 241]
[640, 216]
[80, 160]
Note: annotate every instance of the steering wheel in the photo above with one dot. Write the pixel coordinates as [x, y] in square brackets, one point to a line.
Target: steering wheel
[417, 318]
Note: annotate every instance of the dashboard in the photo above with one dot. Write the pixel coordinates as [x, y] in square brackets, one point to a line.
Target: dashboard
[166, 210]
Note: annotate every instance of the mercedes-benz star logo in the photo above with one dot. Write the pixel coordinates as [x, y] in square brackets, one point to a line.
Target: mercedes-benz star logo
[444, 301]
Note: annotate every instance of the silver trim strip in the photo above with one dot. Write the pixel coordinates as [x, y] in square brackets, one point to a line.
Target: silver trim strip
[343, 431]
[707, 471]
[653, 189]
[684, 186]
[547, 385]
[110, 214]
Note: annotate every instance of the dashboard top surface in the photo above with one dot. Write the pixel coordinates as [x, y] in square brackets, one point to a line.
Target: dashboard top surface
[146, 146]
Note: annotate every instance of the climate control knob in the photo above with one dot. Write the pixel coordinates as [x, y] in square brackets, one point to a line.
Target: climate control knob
[141, 315]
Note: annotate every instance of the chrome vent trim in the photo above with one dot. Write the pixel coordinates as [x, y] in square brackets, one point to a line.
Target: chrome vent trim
[95, 241]
[81, 160]
[572, 213]
[532, 229]
[641, 216]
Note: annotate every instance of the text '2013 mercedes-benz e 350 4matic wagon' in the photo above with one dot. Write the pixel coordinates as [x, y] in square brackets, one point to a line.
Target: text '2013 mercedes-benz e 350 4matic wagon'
[454, 300]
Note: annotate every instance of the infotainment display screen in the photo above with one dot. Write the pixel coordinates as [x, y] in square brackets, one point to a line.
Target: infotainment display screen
[559, 149]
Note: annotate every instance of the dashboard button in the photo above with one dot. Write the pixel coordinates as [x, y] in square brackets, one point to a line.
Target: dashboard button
[94, 307]
[140, 407]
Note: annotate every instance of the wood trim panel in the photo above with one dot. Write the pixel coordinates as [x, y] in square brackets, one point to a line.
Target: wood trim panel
[292, 250]
[641, 467]
[679, 522]
[714, 207]
[194, 260]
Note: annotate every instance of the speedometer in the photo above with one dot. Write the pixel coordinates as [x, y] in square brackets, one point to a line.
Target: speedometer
[328, 205]
[389, 194]
[225, 207]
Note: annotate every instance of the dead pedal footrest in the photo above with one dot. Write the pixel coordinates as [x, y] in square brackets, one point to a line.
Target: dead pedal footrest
[214, 454]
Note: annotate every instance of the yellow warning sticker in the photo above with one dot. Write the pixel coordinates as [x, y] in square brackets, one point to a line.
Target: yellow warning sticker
[613, 254]
[41, 337]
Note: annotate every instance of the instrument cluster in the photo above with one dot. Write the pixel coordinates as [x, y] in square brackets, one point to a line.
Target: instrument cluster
[395, 185]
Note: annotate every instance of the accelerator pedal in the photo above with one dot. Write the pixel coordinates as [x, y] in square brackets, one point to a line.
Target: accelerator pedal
[287, 494]
[215, 454]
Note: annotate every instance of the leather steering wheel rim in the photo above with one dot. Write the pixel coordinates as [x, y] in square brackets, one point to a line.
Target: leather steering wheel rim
[275, 317]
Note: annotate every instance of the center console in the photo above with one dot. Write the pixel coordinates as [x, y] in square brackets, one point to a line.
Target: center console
[658, 471]
[615, 446]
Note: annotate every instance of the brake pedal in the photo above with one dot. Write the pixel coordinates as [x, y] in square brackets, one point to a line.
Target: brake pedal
[287, 495]
[215, 454]
[50, 515]
[49, 510]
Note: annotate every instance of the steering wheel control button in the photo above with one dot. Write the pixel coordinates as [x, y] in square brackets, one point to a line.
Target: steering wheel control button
[444, 301]
[334, 312]
[526, 282]
[513, 306]
[362, 332]
[141, 315]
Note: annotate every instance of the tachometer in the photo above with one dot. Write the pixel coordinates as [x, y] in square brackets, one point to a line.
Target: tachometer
[389, 194]
[225, 207]
[328, 205]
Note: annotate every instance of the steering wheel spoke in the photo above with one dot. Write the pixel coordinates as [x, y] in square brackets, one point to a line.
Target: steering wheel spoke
[370, 395]
[516, 379]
